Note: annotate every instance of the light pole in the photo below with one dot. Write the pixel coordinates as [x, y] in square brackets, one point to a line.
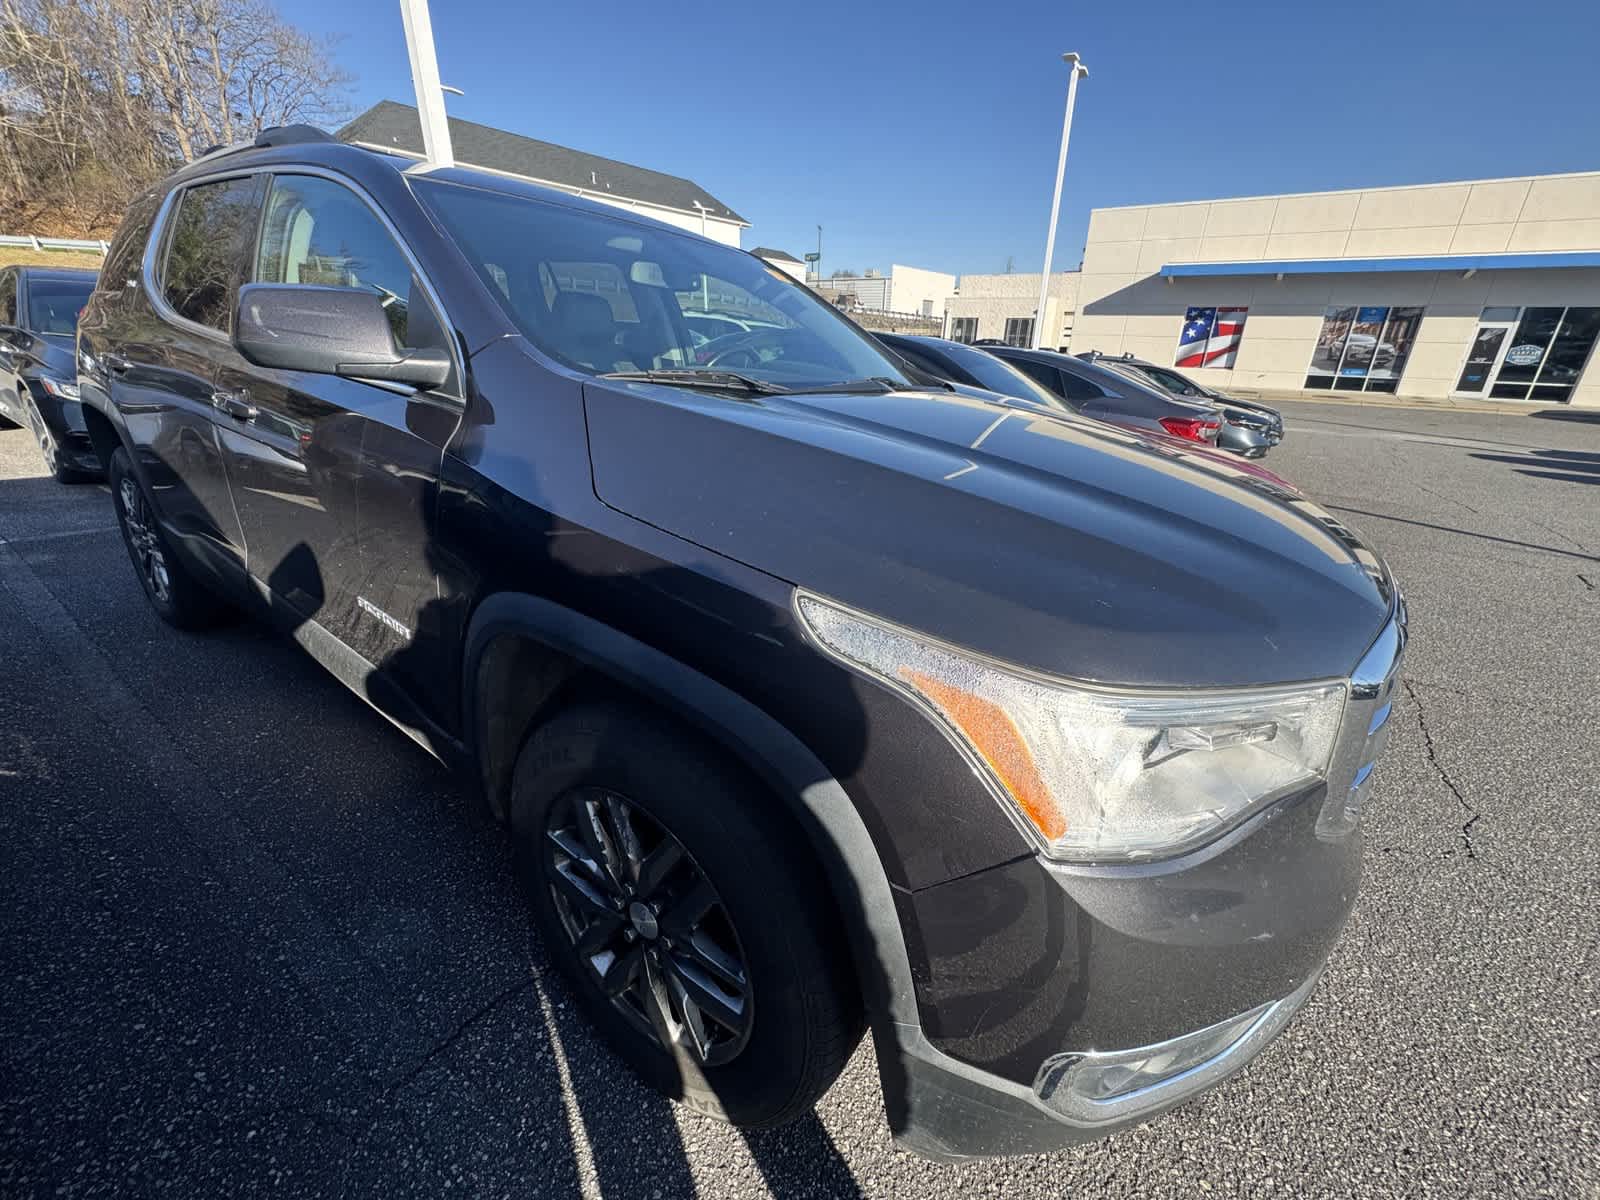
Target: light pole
[705, 287]
[819, 253]
[1076, 68]
[436, 147]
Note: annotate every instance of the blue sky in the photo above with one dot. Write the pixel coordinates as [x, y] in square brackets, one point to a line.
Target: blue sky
[925, 131]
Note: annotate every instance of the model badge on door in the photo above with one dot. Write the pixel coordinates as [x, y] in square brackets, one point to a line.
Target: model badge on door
[369, 607]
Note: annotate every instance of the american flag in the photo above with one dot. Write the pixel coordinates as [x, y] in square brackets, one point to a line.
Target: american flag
[1210, 337]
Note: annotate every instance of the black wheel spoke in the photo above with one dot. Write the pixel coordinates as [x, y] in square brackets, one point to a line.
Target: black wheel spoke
[725, 1010]
[624, 836]
[594, 837]
[693, 1022]
[590, 901]
[601, 931]
[623, 969]
[653, 871]
[680, 918]
[721, 966]
[657, 1004]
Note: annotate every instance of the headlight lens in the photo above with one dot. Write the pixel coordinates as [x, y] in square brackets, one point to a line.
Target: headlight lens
[1092, 773]
[66, 389]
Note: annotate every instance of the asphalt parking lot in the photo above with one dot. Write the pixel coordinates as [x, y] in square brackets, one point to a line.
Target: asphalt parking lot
[251, 939]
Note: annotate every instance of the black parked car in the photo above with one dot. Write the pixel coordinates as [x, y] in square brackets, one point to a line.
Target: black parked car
[1113, 397]
[39, 309]
[810, 697]
[1249, 427]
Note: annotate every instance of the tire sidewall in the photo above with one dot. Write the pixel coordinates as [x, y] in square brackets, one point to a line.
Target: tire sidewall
[120, 468]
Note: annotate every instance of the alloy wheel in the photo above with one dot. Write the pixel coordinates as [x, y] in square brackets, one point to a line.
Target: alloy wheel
[142, 539]
[648, 925]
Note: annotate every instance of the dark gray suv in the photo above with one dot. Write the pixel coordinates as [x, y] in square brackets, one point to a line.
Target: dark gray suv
[810, 697]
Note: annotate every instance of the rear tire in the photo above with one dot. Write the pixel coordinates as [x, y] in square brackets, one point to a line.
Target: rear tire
[177, 596]
[784, 1014]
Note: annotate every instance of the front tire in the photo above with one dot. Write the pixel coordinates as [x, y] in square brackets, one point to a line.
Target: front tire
[177, 596]
[685, 913]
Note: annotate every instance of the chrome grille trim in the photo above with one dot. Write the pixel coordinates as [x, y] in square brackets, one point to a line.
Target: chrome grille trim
[1365, 728]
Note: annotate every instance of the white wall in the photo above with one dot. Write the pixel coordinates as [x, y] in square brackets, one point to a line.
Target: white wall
[1125, 306]
[909, 287]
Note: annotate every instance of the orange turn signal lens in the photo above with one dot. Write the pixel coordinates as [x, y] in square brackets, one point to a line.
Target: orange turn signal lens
[996, 738]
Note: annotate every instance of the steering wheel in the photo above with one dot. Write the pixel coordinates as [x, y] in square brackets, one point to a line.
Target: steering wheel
[745, 352]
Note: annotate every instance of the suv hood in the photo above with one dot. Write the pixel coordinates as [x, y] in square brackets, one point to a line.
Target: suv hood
[1049, 541]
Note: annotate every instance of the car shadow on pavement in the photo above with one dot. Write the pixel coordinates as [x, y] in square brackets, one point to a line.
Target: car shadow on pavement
[1567, 414]
[1569, 466]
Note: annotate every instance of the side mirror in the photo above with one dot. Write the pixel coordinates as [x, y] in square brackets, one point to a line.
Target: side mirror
[329, 331]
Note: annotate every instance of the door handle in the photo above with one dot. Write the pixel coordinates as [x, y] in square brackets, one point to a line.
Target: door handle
[234, 404]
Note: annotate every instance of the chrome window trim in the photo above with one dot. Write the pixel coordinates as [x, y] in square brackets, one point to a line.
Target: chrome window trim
[156, 245]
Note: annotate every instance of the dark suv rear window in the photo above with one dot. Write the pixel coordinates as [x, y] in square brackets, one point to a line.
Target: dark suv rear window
[213, 225]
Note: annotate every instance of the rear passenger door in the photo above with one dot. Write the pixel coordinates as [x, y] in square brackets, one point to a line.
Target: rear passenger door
[335, 479]
[10, 396]
[159, 356]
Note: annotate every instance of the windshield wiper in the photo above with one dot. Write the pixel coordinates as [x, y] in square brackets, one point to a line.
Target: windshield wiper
[877, 385]
[720, 380]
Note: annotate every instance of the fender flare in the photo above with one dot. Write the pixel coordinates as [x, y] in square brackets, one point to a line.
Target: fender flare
[791, 771]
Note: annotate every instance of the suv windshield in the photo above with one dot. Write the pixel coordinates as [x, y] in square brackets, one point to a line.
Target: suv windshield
[54, 305]
[608, 295]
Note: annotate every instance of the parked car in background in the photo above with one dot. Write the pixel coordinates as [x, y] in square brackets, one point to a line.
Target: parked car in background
[973, 370]
[39, 309]
[1249, 427]
[1113, 397]
[811, 696]
[970, 367]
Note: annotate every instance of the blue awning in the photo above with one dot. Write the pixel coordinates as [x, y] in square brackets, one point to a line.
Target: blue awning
[1354, 266]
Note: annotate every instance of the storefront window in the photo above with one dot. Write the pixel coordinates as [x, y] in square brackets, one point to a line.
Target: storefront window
[964, 329]
[1210, 337]
[1363, 348]
[1533, 353]
[1019, 331]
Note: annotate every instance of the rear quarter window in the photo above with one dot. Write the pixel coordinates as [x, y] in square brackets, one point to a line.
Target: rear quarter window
[126, 257]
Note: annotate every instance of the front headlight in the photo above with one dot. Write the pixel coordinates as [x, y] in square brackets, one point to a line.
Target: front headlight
[66, 389]
[1095, 773]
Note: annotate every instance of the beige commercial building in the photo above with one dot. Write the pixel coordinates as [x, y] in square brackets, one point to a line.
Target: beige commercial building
[1002, 308]
[1485, 290]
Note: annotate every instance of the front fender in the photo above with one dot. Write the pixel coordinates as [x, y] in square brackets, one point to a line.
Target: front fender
[792, 773]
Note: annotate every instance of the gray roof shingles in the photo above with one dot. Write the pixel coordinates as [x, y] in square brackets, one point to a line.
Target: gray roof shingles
[768, 252]
[396, 126]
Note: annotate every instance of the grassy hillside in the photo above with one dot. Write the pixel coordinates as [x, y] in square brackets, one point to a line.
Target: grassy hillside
[23, 256]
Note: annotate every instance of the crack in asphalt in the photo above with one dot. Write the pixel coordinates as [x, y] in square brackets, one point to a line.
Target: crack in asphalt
[1432, 753]
[1586, 581]
[444, 1044]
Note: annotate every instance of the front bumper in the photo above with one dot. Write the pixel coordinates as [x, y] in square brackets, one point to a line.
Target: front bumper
[953, 1112]
[1060, 1003]
[1250, 440]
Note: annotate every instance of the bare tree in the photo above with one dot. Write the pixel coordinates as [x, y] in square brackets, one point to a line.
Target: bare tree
[100, 97]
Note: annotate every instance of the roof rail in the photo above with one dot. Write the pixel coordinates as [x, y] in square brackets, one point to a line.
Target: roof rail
[290, 135]
[274, 135]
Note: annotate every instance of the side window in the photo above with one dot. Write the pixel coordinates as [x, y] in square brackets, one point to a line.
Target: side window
[210, 230]
[1042, 372]
[320, 233]
[1079, 390]
[8, 297]
[123, 263]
